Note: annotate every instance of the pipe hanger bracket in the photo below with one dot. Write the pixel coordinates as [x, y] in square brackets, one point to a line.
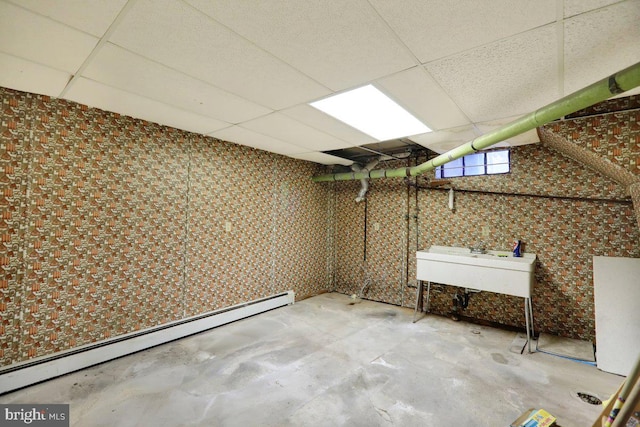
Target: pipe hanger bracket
[614, 88]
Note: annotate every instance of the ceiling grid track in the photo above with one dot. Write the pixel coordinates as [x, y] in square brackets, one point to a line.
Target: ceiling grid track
[248, 72]
[103, 40]
[419, 64]
[254, 44]
[560, 41]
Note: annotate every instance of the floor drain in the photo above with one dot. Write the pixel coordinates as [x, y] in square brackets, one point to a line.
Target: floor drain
[590, 399]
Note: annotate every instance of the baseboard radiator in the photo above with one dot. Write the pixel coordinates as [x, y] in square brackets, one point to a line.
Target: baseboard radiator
[43, 368]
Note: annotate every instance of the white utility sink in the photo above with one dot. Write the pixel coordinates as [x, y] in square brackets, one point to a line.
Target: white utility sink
[493, 271]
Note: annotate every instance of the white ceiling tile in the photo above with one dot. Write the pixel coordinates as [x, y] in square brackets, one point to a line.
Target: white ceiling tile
[600, 43]
[27, 35]
[315, 118]
[173, 33]
[90, 16]
[512, 76]
[282, 127]
[338, 43]
[529, 137]
[439, 28]
[445, 140]
[119, 68]
[322, 158]
[170, 63]
[107, 98]
[631, 92]
[240, 135]
[20, 74]
[419, 94]
[576, 7]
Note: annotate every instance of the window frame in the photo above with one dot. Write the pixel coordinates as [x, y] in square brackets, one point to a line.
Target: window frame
[440, 172]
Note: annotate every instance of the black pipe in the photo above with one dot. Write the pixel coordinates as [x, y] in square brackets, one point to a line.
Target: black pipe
[541, 196]
[365, 230]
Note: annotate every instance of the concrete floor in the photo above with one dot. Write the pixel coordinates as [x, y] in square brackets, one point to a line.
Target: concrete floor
[324, 362]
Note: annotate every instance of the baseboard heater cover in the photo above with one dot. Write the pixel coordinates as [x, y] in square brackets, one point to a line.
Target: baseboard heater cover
[33, 371]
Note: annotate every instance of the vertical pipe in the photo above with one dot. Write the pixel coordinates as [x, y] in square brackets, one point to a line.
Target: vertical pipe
[451, 199]
[366, 206]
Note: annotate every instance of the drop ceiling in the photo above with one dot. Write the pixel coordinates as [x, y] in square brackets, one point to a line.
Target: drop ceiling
[245, 70]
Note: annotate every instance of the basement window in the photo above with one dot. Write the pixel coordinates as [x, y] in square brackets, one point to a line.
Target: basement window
[485, 163]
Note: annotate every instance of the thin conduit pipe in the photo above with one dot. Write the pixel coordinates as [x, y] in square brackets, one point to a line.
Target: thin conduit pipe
[540, 196]
[364, 253]
[602, 90]
[416, 218]
[406, 240]
[402, 283]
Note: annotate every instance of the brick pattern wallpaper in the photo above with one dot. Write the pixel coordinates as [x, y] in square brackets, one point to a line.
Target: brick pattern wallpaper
[225, 267]
[102, 227]
[349, 242]
[14, 139]
[112, 224]
[387, 206]
[564, 233]
[302, 220]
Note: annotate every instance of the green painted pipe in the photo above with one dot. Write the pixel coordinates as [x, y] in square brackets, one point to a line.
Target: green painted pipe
[602, 90]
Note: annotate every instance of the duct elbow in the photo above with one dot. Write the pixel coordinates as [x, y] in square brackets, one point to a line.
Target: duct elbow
[363, 191]
[362, 195]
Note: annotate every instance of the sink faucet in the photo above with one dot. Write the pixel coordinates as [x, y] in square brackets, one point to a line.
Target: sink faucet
[478, 248]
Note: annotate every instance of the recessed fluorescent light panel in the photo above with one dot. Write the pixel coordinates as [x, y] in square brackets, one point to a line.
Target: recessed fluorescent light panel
[372, 112]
